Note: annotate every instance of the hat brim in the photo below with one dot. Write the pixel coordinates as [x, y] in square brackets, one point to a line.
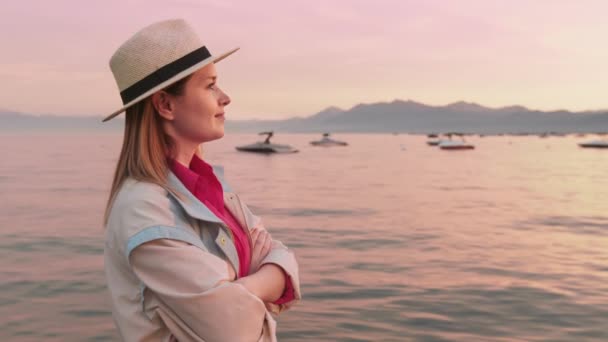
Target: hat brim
[179, 76]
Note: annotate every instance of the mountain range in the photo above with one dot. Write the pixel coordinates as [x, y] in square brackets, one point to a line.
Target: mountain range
[396, 116]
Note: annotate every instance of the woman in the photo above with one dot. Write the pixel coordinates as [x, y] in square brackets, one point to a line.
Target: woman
[185, 259]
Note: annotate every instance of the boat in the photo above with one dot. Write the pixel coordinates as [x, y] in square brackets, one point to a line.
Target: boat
[594, 144]
[435, 142]
[455, 145]
[326, 141]
[266, 147]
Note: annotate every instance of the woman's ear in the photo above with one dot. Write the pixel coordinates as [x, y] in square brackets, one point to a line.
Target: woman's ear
[163, 103]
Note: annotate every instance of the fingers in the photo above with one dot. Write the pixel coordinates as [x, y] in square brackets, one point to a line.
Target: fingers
[267, 246]
[257, 233]
[262, 242]
[257, 238]
[254, 234]
[231, 272]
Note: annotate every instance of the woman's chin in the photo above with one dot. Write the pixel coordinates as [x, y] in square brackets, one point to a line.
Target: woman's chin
[218, 134]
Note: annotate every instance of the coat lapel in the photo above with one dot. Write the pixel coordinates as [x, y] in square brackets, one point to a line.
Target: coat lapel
[196, 209]
[189, 203]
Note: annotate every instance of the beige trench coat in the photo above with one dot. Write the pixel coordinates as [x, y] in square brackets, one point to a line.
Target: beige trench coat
[166, 262]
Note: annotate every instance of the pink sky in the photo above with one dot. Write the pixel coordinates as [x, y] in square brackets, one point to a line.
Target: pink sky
[298, 57]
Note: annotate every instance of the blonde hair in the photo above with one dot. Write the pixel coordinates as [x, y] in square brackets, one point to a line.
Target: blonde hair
[144, 150]
[145, 146]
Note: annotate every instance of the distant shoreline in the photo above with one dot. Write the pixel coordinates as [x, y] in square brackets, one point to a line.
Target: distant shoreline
[403, 117]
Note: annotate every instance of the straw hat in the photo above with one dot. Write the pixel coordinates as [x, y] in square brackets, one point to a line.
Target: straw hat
[156, 57]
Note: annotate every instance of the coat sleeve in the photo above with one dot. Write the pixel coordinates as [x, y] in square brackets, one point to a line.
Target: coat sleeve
[283, 257]
[194, 285]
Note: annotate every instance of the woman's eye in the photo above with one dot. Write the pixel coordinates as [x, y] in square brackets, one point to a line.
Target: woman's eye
[212, 86]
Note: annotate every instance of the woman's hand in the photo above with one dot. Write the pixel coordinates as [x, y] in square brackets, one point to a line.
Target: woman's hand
[267, 281]
[261, 244]
[231, 272]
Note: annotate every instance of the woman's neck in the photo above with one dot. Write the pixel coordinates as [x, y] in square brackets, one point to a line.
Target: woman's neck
[183, 154]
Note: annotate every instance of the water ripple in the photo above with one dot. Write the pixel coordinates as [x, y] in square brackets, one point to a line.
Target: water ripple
[310, 212]
[53, 244]
[594, 225]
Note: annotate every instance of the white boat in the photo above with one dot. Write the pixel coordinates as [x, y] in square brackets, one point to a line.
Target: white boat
[433, 139]
[266, 146]
[594, 144]
[326, 141]
[435, 142]
[455, 145]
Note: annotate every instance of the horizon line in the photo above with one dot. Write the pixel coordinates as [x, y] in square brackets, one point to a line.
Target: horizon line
[587, 111]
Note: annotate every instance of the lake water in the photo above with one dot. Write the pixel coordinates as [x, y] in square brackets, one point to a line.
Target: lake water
[396, 240]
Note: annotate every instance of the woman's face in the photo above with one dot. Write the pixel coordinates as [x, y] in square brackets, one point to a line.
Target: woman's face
[198, 113]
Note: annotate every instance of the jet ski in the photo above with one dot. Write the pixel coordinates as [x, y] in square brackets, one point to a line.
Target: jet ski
[266, 147]
[326, 141]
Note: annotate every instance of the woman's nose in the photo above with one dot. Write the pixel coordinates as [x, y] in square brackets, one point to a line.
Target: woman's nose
[224, 99]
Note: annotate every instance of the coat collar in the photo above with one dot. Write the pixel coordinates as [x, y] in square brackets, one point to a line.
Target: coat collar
[191, 204]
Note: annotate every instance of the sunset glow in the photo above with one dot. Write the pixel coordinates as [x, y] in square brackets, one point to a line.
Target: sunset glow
[299, 57]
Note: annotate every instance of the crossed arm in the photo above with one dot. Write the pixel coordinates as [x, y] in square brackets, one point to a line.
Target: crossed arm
[266, 281]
